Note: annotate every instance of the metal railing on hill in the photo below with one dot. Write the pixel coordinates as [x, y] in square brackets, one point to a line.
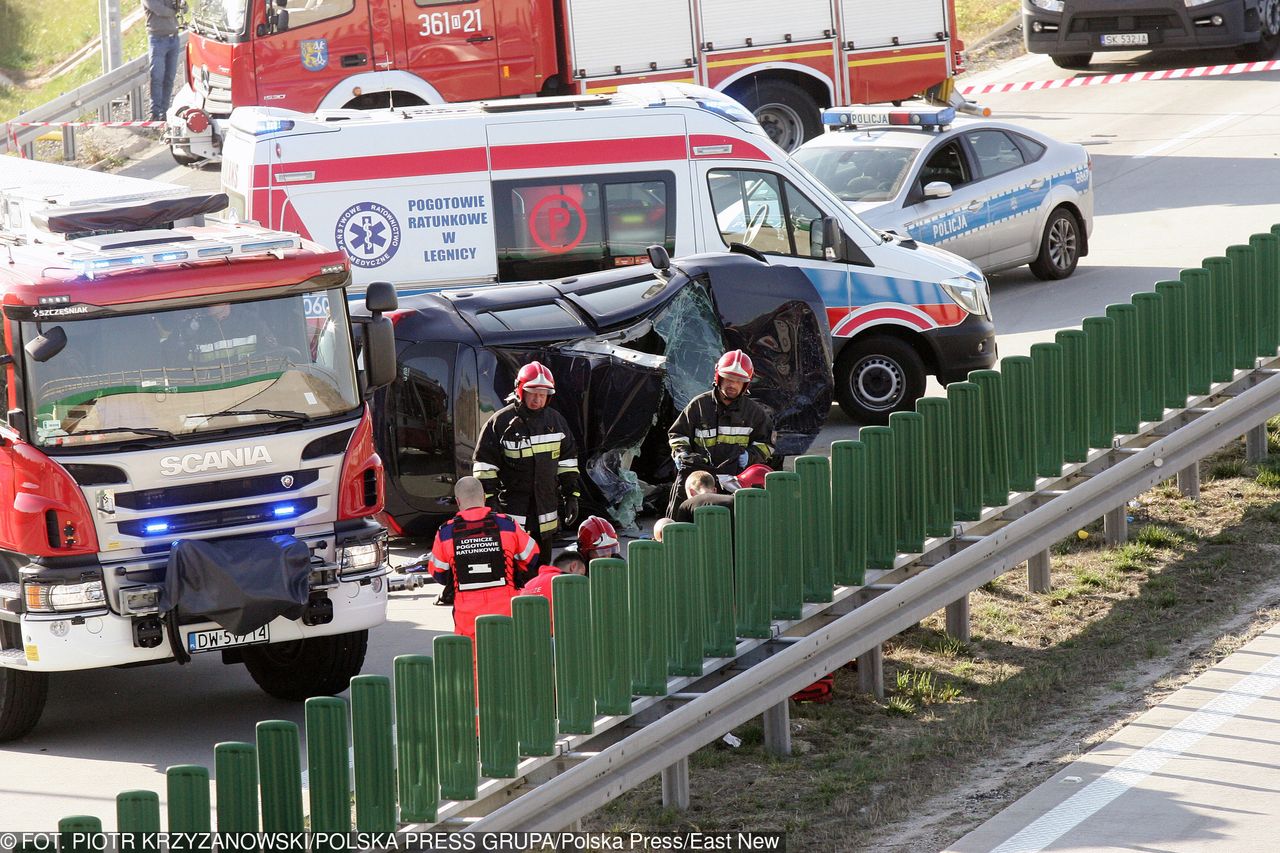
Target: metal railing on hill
[658, 655]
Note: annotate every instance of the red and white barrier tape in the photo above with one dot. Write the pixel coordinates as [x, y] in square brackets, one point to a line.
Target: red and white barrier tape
[1131, 77]
[88, 123]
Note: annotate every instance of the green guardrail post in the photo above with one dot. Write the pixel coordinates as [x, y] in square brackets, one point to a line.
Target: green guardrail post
[1020, 413]
[1201, 329]
[535, 705]
[279, 776]
[684, 568]
[753, 544]
[817, 543]
[650, 628]
[995, 437]
[235, 770]
[1244, 294]
[1101, 343]
[1266, 277]
[939, 468]
[374, 752]
[496, 661]
[1128, 365]
[783, 489]
[81, 834]
[417, 772]
[965, 399]
[882, 496]
[1222, 291]
[1175, 345]
[611, 625]
[188, 789]
[849, 510]
[138, 812]
[575, 657]
[715, 528]
[458, 750]
[908, 446]
[1047, 384]
[1150, 371]
[1076, 394]
[328, 770]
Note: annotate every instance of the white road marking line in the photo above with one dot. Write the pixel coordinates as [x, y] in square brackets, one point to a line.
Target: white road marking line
[1190, 134]
[1069, 814]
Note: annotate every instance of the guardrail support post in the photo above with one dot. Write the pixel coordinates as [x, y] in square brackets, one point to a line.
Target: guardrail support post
[958, 619]
[1038, 576]
[675, 786]
[1255, 443]
[871, 672]
[68, 143]
[777, 728]
[1115, 526]
[1189, 482]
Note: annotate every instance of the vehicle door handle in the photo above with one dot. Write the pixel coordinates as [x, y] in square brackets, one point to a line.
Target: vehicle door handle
[351, 60]
[1037, 183]
[479, 39]
[974, 206]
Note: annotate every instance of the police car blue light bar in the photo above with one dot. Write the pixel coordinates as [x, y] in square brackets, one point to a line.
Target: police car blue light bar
[856, 116]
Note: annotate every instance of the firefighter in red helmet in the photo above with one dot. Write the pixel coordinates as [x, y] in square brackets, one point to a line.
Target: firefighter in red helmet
[527, 459]
[722, 430]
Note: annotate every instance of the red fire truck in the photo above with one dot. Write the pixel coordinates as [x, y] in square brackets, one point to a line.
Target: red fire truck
[187, 462]
[784, 61]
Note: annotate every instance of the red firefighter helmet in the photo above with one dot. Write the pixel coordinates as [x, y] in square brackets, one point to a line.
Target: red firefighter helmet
[735, 364]
[597, 538]
[752, 477]
[534, 377]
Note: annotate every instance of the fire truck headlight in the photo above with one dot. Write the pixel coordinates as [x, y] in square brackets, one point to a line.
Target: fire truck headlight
[355, 559]
[58, 597]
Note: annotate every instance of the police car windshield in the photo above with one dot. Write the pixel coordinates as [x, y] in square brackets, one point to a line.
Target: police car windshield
[219, 18]
[153, 371]
[864, 173]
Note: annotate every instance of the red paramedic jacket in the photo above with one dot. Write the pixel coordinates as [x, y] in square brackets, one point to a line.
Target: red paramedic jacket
[519, 553]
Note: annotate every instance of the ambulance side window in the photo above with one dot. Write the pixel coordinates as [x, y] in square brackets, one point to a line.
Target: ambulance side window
[765, 212]
[562, 228]
[311, 11]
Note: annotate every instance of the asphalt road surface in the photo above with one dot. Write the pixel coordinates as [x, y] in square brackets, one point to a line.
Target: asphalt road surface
[1182, 170]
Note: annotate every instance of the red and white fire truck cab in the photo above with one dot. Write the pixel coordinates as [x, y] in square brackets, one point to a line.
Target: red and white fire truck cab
[784, 61]
[187, 463]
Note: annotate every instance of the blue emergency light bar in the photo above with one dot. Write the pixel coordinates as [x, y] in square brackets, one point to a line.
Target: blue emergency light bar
[90, 261]
[858, 116]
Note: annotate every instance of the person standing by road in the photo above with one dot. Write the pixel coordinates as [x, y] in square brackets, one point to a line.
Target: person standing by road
[164, 51]
[721, 431]
[527, 459]
[483, 555]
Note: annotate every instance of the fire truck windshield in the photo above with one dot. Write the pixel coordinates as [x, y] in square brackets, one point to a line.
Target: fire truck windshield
[219, 18]
[185, 371]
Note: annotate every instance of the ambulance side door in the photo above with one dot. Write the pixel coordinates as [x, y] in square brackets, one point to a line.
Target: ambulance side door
[957, 223]
[453, 45]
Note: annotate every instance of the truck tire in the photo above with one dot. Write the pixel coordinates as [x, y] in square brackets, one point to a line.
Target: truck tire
[1071, 61]
[22, 694]
[1059, 247]
[787, 113]
[1268, 32]
[300, 669]
[877, 376]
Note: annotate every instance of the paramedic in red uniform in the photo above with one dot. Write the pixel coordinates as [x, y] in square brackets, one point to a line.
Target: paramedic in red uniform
[527, 459]
[484, 555]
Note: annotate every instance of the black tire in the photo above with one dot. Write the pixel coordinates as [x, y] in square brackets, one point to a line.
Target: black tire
[300, 669]
[1071, 61]
[184, 158]
[1059, 247]
[22, 694]
[1268, 33]
[787, 113]
[877, 376]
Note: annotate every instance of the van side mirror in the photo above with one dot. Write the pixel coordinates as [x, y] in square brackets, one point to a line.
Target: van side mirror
[659, 257]
[937, 189]
[381, 296]
[45, 346]
[379, 353]
[832, 240]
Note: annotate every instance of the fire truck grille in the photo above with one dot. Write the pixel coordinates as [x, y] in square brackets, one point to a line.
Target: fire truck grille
[217, 97]
[198, 493]
[216, 519]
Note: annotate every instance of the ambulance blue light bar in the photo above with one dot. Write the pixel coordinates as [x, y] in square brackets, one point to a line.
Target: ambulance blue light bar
[856, 116]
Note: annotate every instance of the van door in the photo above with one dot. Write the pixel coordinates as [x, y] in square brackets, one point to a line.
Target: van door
[956, 223]
[454, 46]
[327, 40]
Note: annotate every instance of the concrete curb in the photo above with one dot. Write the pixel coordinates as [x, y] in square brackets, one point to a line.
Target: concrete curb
[1000, 32]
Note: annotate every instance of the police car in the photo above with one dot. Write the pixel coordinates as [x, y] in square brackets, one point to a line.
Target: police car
[997, 194]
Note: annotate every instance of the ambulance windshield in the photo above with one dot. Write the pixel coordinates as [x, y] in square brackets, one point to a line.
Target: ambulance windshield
[187, 370]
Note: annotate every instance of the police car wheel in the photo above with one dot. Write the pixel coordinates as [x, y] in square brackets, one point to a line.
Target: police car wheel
[1071, 61]
[300, 669]
[877, 376]
[1059, 247]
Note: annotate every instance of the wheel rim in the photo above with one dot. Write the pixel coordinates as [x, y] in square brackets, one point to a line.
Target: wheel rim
[878, 383]
[1062, 243]
[783, 125]
[1269, 15]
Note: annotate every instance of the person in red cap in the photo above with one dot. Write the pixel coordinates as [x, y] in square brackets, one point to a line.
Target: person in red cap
[722, 430]
[527, 459]
[596, 539]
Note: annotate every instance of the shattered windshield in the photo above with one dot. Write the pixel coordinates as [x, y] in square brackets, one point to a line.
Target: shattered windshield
[219, 18]
[189, 370]
[691, 330]
[864, 173]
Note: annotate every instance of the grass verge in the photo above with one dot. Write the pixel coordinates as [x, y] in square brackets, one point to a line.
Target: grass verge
[17, 99]
[1088, 649]
[37, 35]
[976, 18]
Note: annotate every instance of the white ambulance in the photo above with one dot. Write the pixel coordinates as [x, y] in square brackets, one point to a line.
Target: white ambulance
[531, 189]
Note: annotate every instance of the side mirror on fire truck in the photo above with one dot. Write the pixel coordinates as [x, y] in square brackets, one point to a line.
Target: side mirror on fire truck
[45, 346]
[379, 335]
[381, 296]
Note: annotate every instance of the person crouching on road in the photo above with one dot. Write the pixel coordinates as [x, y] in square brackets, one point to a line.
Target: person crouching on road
[721, 430]
[484, 555]
[527, 459]
[596, 539]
